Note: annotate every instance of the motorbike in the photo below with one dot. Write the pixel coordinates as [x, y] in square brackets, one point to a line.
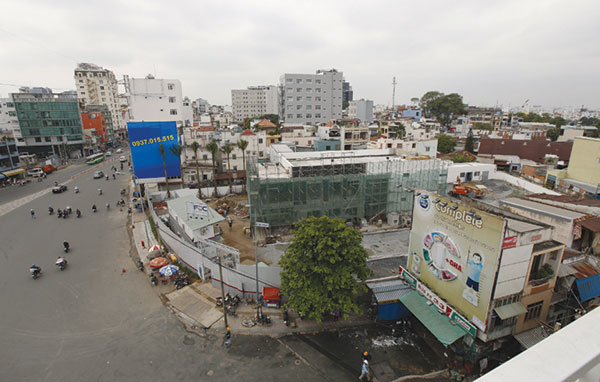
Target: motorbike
[35, 272]
[107, 206]
[78, 213]
[61, 263]
[99, 191]
[59, 213]
[94, 209]
[140, 265]
[154, 280]
[66, 247]
[76, 189]
[50, 210]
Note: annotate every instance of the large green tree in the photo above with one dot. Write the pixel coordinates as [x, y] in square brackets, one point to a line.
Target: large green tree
[445, 143]
[470, 143]
[446, 107]
[324, 267]
[553, 133]
[427, 99]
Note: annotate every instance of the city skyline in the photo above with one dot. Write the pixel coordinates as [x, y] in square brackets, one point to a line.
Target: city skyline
[492, 54]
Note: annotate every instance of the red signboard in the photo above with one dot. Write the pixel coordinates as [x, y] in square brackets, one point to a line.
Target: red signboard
[509, 242]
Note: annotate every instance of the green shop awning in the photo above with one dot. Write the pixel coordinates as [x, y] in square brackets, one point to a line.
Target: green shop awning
[438, 324]
[511, 310]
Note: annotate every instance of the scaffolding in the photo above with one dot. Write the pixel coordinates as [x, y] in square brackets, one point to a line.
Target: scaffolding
[342, 188]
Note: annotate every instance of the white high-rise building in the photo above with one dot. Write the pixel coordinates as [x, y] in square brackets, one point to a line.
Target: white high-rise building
[158, 100]
[98, 86]
[361, 109]
[311, 99]
[254, 102]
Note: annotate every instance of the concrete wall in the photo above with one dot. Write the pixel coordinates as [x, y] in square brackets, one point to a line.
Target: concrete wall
[522, 183]
[456, 169]
[584, 164]
[563, 228]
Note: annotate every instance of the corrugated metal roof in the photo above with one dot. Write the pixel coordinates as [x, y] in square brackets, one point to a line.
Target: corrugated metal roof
[593, 224]
[589, 287]
[531, 337]
[566, 270]
[386, 291]
[510, 310]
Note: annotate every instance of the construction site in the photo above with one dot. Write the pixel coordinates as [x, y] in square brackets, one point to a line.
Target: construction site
[362, 186]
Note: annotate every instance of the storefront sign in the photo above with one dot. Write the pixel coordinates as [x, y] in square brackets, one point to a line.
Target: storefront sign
[509, 242]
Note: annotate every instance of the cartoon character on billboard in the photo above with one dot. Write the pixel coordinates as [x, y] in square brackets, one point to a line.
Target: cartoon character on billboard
[471, 292]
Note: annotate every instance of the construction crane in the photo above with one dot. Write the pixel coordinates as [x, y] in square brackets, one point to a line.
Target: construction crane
[524, 104]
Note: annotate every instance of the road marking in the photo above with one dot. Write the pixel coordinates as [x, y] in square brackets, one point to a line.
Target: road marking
[11, 206]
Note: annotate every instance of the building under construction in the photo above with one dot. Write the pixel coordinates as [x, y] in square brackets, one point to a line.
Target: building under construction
[357, 184]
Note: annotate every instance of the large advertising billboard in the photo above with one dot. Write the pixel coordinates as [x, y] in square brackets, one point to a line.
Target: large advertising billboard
[144, 140]
[454, 249]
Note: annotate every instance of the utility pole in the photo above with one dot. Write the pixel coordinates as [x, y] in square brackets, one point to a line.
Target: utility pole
[393, 93]
[223, 293]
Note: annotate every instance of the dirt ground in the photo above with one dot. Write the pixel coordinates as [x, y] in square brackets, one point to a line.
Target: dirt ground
[235, 236]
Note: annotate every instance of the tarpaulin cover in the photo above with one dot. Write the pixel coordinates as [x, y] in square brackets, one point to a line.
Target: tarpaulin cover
[589, 287]
[438, 324]
[271, 294]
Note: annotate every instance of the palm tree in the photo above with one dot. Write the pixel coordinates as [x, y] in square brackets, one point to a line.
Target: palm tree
[214, 149]
[227, 149]
[243, 145]
[195, 146]
[162, 154]
[177, 150]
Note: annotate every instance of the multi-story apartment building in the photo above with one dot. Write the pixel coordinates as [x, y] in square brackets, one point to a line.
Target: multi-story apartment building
[98, 86]
[254, 102]
[153, 99]
[361, 109]
[48, 123]
[8, 116]
[311, 99]
[347, 94]
[97, 123]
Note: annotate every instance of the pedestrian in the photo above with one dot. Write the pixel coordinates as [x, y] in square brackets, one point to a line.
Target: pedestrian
[366, 356]
[32, 212]
[227, 338]
[230, 222]
[364, 371]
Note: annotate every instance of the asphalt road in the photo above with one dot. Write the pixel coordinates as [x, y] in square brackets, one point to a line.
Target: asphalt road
[93, 322]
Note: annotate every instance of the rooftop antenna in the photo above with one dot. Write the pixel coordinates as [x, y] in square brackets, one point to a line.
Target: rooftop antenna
[393, 93]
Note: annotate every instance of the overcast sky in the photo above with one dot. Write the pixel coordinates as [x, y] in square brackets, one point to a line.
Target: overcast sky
[490, 52]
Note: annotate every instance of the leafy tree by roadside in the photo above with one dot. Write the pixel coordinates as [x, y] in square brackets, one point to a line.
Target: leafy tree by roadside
[445, 143]
[323, 268]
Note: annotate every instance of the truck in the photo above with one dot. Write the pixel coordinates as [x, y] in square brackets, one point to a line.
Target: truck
[468, 189]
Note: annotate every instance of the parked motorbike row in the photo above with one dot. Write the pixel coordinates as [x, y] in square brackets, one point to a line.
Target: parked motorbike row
[231, 303]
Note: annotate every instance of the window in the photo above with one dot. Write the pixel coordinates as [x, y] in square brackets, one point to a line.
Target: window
[260, 140]
[462, 175]
[427, 148]
[308, 115]
[101, 87]
[299, 98]
[290, 116]
[308, 107]
[173, 111]
[298, 90]
[260, 153]
[102, 93]
[317, 107]
[290, 90]
[309, 99]
[317, 81]
[309, 90]
[298, 107]
[317, 90]
[47, 139]
[289, 107]
[170, 86]
[290, 98]
[534, 310]
[171, 99]
[233, 156]
[298, 115]
[12, 113]
[299, 81]
[204, 156]
[476, 173]
[317, 99]
[80, 81]
[318, 115]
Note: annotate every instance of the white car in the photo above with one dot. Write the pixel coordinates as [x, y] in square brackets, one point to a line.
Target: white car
[35, 172]
[107, 154]
[122, 158]
[119, 151]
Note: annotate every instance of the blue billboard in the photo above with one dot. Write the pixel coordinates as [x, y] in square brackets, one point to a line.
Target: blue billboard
[144, 140]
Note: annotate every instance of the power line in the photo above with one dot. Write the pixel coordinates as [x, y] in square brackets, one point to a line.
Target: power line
[39, 44]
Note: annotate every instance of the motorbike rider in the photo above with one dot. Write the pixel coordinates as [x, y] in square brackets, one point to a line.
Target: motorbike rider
[108, 206]
[94, 207]
[59, 212]
[114, 177]
[50, 210]
[76, 189]
[61, 262]
[99, 191]
[78, 212]
[66, 245]
[34, 269]
[68, 209]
